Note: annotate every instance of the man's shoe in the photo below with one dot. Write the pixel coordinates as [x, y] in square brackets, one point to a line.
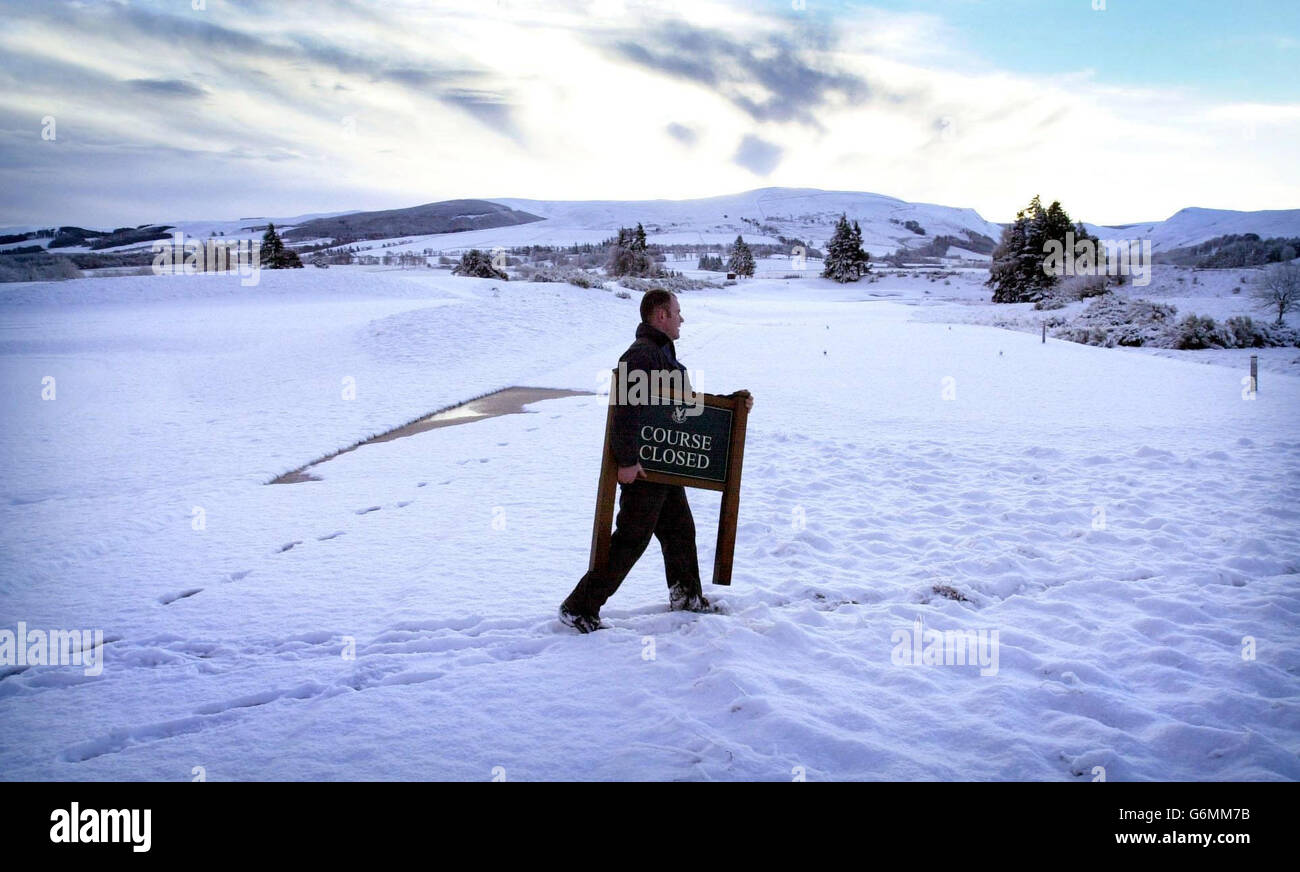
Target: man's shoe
[581, 623]
[683, 599]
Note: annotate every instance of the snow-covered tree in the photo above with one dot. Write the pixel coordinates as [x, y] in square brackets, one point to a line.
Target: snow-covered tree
[741, 261]
[845, 259]
[858, 255]
[1278, 290]
[1016, 273]
[628, 254]
[478, 264]
[273, 254]
[711, 262]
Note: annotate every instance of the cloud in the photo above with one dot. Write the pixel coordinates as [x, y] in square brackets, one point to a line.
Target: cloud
[310, 103]
[683, 134]
[767, 75]
[241, 52]
[166, 87]
[489, 109]
[757, 156]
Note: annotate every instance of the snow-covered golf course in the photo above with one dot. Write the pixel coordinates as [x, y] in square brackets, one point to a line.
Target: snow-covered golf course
[1123, 528]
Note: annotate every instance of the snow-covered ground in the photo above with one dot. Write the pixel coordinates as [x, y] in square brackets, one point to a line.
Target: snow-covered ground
[1127, 524]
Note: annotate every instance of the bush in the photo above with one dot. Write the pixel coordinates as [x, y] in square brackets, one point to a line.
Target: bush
[670, 283]
[578, 277]
[478, 264]
[39, 268]
[1243, 333]
[1199, 331]
[1239, 331]
[1110, 320]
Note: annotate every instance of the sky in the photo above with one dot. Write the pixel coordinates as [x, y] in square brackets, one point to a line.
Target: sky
[123, 113]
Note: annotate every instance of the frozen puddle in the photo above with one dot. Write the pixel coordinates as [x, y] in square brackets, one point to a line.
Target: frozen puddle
[507, 401]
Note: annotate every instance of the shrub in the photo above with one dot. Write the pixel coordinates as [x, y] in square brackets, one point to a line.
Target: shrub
[478, 264]
[1111, 320]
[1200, 331]
[1243, 333]
[39, 268]
[578, 277]
[668, 283]
[1239, 331]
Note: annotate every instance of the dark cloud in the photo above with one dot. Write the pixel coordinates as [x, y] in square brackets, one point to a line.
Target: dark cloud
[489, 109]
[795, 89]
[166, 87]
[682, 133]
[239, 52]
[757, 155]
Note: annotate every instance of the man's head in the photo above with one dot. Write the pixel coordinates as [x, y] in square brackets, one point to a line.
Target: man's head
[660, 310]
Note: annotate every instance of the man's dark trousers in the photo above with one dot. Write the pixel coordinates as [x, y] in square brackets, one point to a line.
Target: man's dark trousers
[645, 509]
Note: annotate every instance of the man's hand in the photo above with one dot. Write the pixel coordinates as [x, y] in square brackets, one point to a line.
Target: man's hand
[749, 399]
[629, 474]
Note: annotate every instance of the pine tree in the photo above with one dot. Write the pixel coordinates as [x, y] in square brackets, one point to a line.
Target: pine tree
[711, 262]
[861, 263]
[1005, 275]
[274, 255]
[845, 259]
[741, 261]
[1017, 273]
[629, 255]
[272, 248]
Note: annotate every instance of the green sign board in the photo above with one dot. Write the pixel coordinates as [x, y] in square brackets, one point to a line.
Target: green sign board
[689, 440]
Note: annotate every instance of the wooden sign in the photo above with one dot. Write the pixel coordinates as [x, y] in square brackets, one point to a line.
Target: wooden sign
[695, 444]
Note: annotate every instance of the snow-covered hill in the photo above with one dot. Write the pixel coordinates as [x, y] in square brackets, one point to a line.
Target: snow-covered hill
[761, 216]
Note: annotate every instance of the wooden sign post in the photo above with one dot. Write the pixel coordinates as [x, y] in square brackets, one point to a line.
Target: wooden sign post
[686, 444]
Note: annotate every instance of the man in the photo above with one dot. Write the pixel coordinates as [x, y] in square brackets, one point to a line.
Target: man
[645, 508]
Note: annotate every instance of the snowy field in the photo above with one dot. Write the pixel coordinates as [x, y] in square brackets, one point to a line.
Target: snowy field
[1127, 524]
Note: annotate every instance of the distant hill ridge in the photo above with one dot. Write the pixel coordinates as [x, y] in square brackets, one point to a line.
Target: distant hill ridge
[773, 215]
[447, 216]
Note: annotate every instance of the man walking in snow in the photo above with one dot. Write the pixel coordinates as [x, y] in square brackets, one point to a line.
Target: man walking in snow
[645, 508]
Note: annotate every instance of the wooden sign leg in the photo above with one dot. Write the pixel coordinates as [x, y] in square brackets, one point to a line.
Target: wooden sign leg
[601, 531]
[730, 510]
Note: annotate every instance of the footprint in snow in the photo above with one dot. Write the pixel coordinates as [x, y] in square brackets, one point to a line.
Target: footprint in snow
[328, 536]
[169, 598]
[288, 546]
[367, 510]
[238, 576]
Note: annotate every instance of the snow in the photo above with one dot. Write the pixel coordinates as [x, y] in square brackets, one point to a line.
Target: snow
[1124, 521]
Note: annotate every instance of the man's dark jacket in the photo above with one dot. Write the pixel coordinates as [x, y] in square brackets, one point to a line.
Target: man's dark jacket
[652, 350]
